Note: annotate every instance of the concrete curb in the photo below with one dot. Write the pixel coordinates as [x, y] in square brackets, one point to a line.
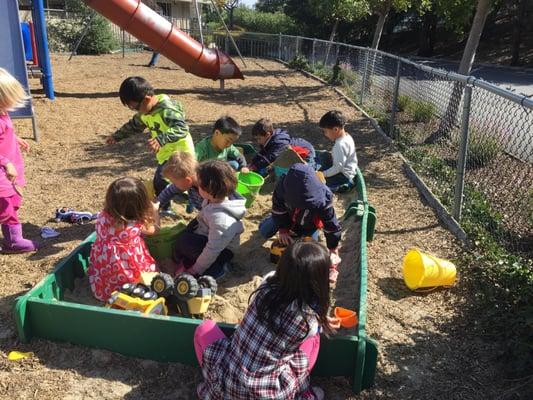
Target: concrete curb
[440, 211]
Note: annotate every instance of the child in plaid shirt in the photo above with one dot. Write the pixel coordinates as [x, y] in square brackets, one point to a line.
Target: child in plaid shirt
[274, 349]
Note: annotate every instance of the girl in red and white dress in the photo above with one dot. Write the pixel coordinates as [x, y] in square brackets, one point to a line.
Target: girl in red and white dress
[119, 253]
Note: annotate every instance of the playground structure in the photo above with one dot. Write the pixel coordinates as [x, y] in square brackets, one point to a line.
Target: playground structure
[163, 37]
[13, 54]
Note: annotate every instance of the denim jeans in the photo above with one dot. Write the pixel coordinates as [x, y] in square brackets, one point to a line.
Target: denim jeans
[325, 161]
[160, 184]
[155, 58]
[189, 246]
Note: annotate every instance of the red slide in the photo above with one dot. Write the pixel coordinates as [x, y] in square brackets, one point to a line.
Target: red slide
[151, 28]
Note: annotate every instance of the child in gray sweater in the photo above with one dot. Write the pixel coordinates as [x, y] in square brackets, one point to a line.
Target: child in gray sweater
[208, 243]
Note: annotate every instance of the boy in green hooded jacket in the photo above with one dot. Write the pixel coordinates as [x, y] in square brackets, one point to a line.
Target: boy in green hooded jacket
[165, 119]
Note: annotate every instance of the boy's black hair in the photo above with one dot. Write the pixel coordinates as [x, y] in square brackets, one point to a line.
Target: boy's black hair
[262, 127]
[332, 119]
[217, 178]
[134, 88]
[227, 125]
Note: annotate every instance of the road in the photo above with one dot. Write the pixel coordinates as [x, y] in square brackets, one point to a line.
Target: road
[515, 79]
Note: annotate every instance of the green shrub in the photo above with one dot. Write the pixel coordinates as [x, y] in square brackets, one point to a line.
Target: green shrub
[421, 111]
[299, 62]
[64, 33]
[322, 71]
[255, 21]
[403, 103]
[343, 75]
[481, 149]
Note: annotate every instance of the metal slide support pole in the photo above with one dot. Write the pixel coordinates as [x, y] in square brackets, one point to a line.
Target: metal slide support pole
[83, 33]
[395, 99]
[199, 18]
[463, 151]
[42, 40]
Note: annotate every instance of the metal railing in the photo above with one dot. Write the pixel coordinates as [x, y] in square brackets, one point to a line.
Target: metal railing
[470, 141]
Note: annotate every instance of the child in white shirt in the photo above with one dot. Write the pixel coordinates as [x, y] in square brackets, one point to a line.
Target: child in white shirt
[340, 166]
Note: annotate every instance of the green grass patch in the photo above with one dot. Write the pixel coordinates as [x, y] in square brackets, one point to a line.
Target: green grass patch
[420, 111]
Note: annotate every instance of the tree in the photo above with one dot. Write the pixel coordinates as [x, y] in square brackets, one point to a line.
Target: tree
[382, 8]
[450, 116]
[270, 6]
[229, 6]
[518, 27]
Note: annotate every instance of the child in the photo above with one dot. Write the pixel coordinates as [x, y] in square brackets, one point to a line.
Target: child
[210, 240]
[272, 142]
[275, 347]
[301, 206]
[165, 118]
[340, 166]
[220, 144]
[119, 253]
[180, 170]
[12, 96]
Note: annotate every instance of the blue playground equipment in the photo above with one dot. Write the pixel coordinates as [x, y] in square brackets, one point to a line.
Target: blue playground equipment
[13, 53]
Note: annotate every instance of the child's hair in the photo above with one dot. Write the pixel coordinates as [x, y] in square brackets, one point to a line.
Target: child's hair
[127, 200]
[262, 127]
[217, 178]
[134, 88]
[227, 125]
[181, 164]
[332, 119]
[302, 275]
[12, 94]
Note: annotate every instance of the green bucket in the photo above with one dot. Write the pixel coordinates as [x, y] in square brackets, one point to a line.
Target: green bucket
[160, 244]
[248, 185]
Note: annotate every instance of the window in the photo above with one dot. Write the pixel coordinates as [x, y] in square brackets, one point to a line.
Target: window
[165, 9]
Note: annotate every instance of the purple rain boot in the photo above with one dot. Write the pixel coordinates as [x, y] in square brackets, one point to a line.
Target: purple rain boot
[14, 242]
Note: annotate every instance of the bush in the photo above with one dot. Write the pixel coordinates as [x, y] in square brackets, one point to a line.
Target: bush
[64, 33]
[420, 111]
[257, 21]
[299, 62]
[403, 103]
[344, 75]
[481, 149]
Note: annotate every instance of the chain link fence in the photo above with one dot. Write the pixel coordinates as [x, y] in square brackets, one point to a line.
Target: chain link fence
[470, 141]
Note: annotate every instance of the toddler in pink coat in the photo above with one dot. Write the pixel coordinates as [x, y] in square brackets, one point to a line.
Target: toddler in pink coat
[12, 96]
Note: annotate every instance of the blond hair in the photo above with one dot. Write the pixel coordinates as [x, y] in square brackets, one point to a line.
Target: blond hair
[12, 94]
[181, 164]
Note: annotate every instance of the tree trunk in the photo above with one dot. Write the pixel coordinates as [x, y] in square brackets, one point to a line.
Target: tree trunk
[379, 27]
[425, 43]
[449, 118]
[332, 36]
[231, 18]
[518, 25]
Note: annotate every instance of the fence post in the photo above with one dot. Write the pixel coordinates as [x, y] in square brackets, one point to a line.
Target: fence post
[279, 47]
[395, 100]
[365, 72]
[297, 45]
[314, 52]
[463, 151]
[226, 44]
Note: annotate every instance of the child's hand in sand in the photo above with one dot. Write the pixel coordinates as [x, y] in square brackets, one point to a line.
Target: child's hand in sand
[111, 140]
[334, 323]
[245, 170]
[154, 145]
[285, 237]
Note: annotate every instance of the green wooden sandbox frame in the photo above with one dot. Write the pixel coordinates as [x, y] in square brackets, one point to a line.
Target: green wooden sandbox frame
[42, 313]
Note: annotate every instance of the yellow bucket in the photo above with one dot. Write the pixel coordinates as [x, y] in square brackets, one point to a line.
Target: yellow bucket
[423, 270]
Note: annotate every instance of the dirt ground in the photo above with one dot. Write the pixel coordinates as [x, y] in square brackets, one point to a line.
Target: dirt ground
[425, 348]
